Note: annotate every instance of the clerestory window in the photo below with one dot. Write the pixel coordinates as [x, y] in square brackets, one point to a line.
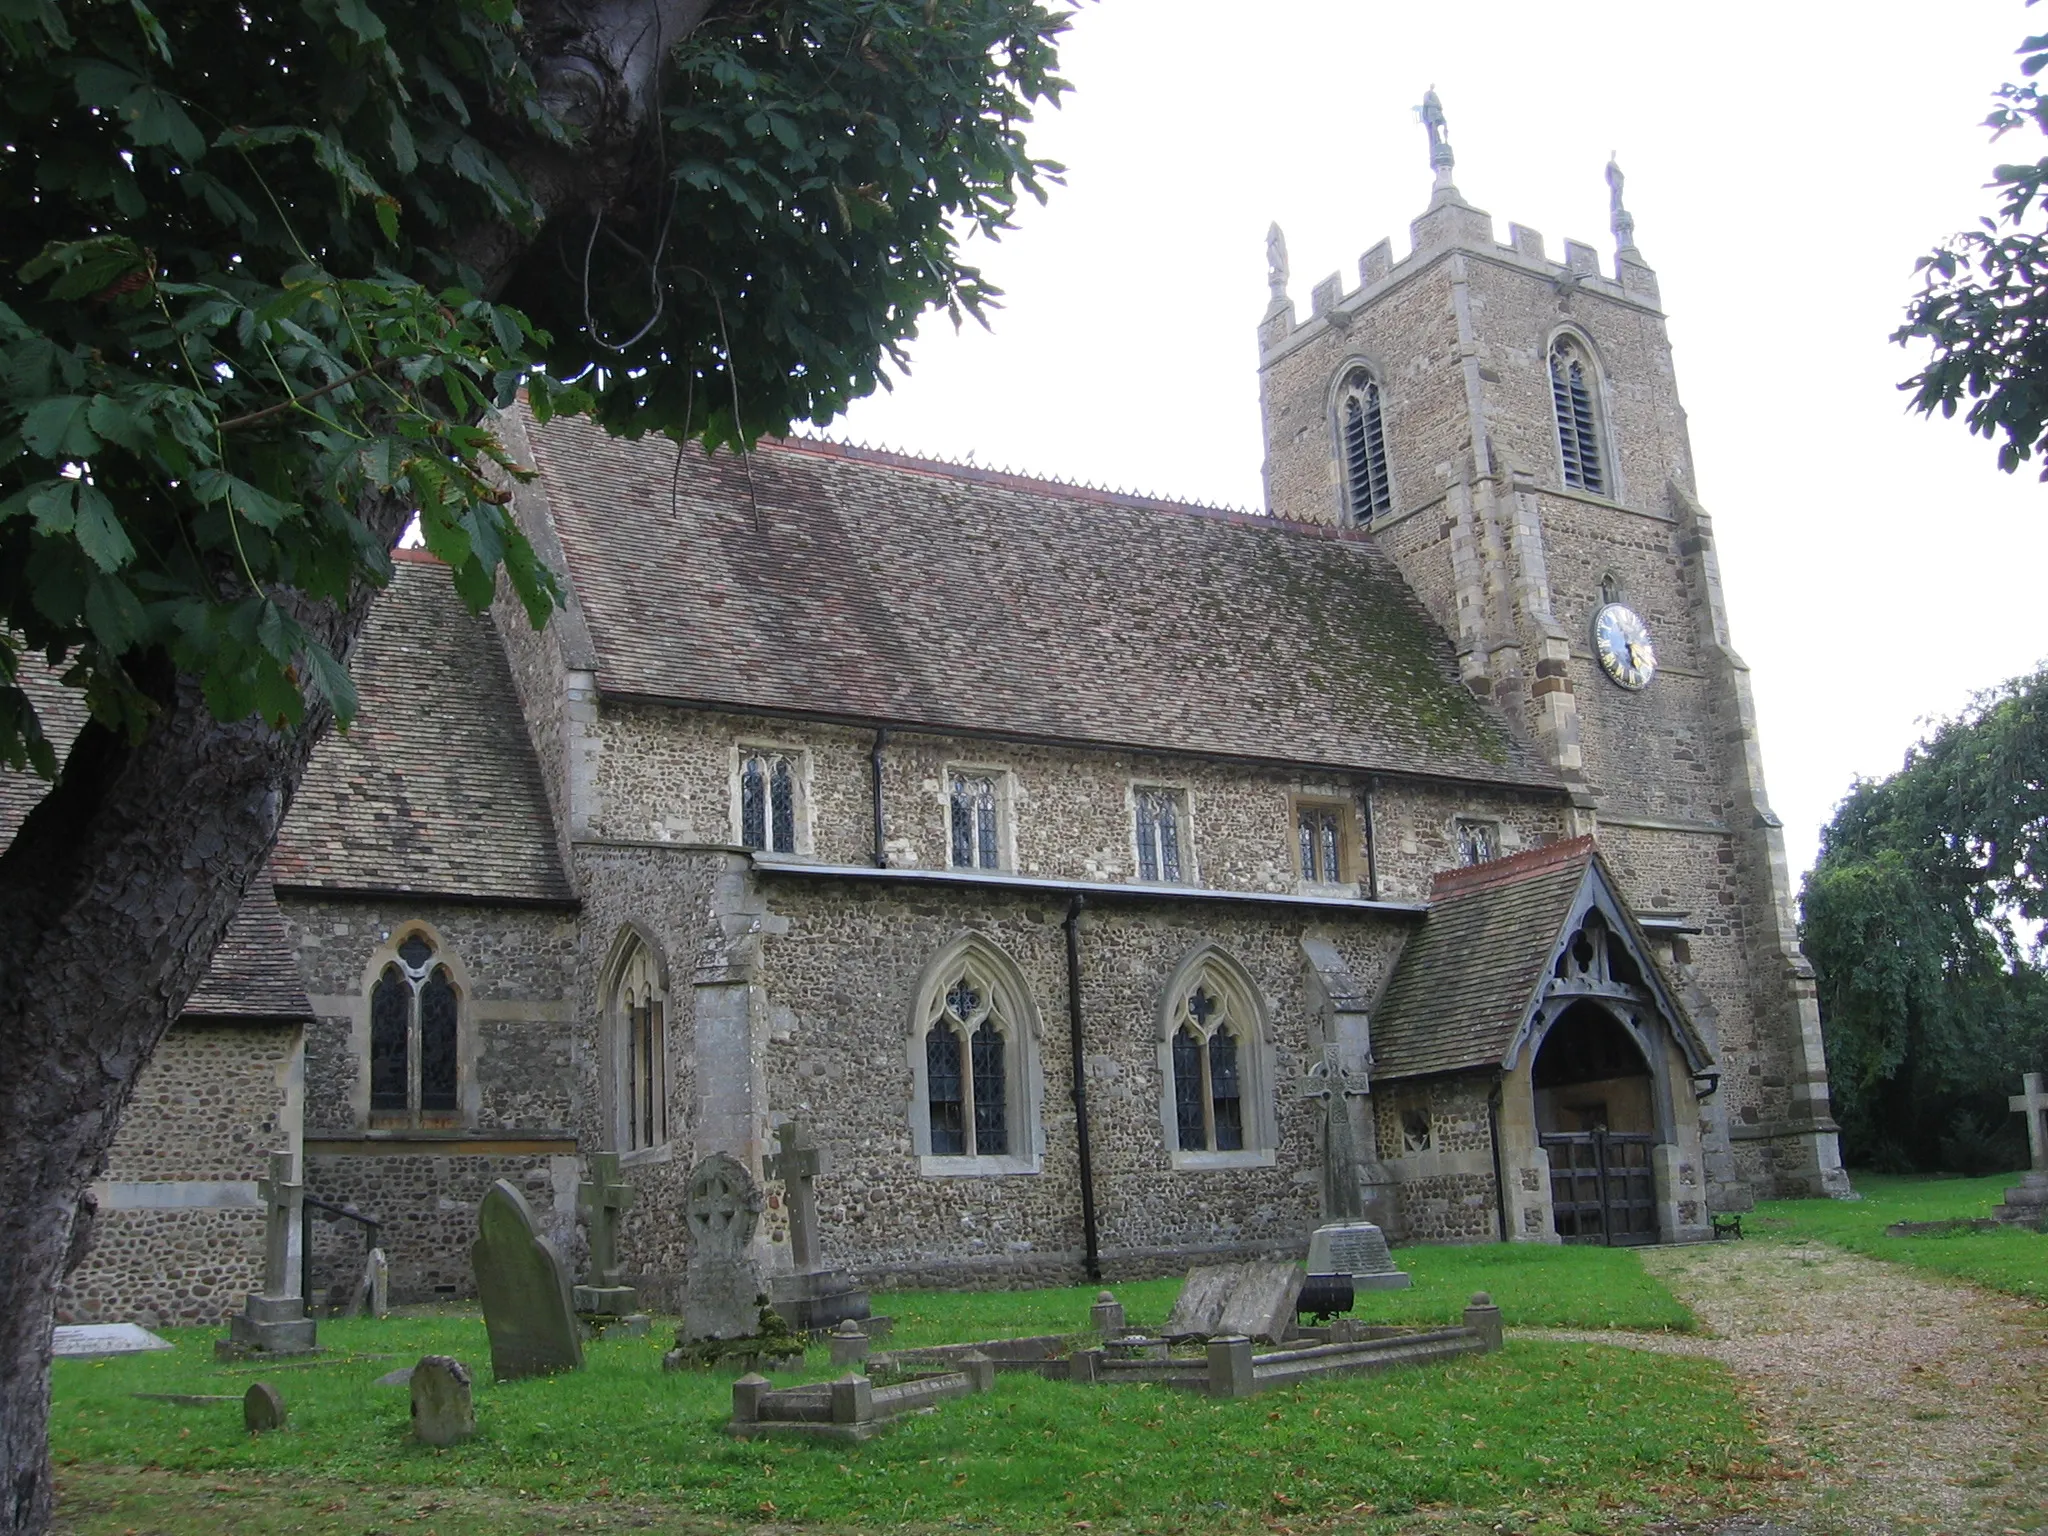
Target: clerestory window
[1573, 396]
[1478, 841]
[1363, 442]
[769, 784]
[1162, 834]
[974, 809]
[1320, 829]
[415, 1034]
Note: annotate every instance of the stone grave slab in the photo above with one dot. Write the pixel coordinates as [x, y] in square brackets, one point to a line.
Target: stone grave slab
[524, 1291]
[1358, 1249]
[1261, 1306]
[1203, 1296]
[97, 1341]
[443, 1409]
[721, 1288]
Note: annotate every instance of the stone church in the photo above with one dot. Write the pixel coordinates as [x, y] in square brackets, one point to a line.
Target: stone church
[1106, 883]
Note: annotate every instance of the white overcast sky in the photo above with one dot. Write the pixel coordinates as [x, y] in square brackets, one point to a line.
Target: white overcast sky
[1786, 163]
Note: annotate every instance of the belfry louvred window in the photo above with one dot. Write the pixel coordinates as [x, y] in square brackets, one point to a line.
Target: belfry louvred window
[1578, 434]
[1364, 444]
[414, 1026]
[767, 802]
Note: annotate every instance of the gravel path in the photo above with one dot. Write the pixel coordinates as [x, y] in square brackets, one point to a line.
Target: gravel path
[1913, 1403]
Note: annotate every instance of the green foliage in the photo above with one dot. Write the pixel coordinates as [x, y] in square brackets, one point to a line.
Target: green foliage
[1564, 1433]
[2009, 1260]
[250, 315]
[1982, 307]
[1922, 919]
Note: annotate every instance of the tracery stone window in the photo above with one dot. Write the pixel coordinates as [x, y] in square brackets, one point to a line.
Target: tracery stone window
[640, 1024]
[1362, 439]
[770, 784]
[974, 1061]
[1573, 393]
[974, 812]
[1478, 841]
[1218, 1108]
[415, 1036]
[1162, 833]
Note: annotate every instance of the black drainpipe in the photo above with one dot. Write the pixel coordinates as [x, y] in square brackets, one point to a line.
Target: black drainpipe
[1372, 852]
[881, 820]
[1093, 1252]
[1500, 1186]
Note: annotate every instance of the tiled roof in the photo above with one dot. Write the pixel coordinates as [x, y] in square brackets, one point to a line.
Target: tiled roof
[1467, 975]
[62, 712]
[846, 583]
[254, 973]
[436, 790]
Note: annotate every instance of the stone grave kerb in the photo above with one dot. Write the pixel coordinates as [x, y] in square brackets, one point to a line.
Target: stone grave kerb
[798, 1160]
[604, 1199]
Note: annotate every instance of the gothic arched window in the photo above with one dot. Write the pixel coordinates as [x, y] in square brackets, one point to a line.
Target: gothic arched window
[415, 1033]
[639, 1011]
[1573, 392]
[769, 785]
[1363, 444]
[976, 1096]
[1217, 1072]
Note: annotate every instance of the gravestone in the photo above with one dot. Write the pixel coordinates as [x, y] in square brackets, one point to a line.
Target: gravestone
[1357, 1249]
[443, 1410]
[525, 1294]
[273, 1321]
[2026, 1203]
[97, 1341]
[721, 1287]
[604, 1199]
[1254, 1298]
[262, 1408]
[372, 1297]
[814, 1296]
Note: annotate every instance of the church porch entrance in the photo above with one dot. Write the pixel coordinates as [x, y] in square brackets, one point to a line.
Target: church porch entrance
[1596, 1120]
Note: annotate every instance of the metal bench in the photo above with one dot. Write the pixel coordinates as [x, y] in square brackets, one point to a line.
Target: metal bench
[1727, 1224]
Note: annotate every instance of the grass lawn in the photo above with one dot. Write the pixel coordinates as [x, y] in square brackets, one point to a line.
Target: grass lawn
[2010, 1260]
[1543, 1437]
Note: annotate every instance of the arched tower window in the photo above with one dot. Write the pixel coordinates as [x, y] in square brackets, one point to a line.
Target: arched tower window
[1215, 1054]
[415, 1033]
[1363, 444]
[1572, 391]
[974, 1062]
[639, 1012]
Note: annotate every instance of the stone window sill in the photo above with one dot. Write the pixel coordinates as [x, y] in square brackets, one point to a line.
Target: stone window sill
[641, 1157]
[974, 1167]
[1205, 1162]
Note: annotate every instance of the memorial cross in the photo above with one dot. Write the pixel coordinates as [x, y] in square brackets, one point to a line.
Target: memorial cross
[799, 1161]
[604, 1200]
[1333, 1083]
[281, 1193]
[2032, 1102]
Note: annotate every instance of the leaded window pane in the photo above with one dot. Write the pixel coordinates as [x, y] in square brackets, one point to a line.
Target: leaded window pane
[416, 952]
[390, 1025]
[1148, 838]
[1187, 1090]
[782, 804]
[985, 823]
[1478, 841]
[1308, 846]
[991, 1109]
[1332, 870]
[437, 1041]
[973, 800]
[1165, 816]
[1225, 1096]
[943, 1090]
[963, 826]
[754, 803]
[1319, 834]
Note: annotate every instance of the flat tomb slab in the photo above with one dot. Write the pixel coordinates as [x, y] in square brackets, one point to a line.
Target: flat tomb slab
[98, 1341]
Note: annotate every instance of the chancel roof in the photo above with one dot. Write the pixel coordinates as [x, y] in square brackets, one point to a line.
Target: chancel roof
[435, 791]
[1468, 979]
[825, 581]
[254, 974]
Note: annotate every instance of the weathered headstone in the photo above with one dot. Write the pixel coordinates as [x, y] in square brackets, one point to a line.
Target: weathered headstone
[604, 1199]
[97, 1341]
[372, 1296]
[814, 1296]
[525, 1294]
[273, 1321]
[1358, 1249]
[722, 1287]
[2026, 1203]
[443, 1411]
[1254, 1298]
[262, 1408]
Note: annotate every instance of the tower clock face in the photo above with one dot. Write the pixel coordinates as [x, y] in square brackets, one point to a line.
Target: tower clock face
[1622, 642]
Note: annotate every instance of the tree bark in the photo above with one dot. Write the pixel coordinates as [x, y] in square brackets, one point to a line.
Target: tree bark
[121, 882]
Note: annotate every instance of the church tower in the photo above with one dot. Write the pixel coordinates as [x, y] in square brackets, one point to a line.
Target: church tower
[1507, 428]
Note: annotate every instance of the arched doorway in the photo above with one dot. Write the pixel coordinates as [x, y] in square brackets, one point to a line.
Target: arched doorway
[1596, 1117]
